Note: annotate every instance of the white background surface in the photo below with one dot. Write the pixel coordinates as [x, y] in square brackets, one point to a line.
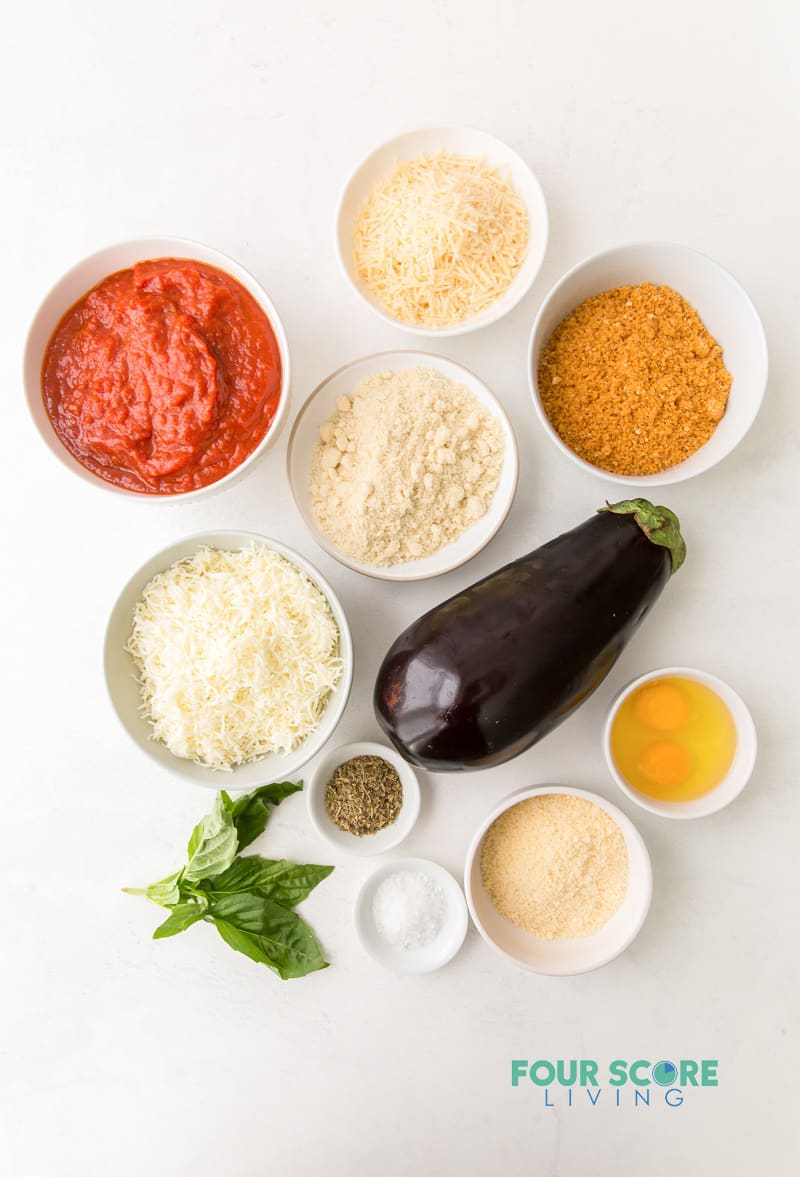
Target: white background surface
[236, 124]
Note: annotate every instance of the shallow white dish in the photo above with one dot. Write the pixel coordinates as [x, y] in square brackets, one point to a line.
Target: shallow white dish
[79, 281]
[123, 689]
[421, 960]
[386, 839]
[321, 405]
[743, 761]
[458, 140]
[562, 958]
[724, 307]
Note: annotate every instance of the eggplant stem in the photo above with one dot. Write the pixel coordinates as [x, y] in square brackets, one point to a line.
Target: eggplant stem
[659, 524]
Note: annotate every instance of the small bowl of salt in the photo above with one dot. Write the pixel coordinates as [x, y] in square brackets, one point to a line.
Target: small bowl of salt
[411, 916]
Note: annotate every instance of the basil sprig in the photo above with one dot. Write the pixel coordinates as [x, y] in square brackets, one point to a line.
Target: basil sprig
[250, 900]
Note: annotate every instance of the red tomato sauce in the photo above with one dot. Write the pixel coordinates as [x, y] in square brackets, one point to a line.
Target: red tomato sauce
[164, 377]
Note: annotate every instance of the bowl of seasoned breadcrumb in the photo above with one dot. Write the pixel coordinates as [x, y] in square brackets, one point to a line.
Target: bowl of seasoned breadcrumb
[647, 364]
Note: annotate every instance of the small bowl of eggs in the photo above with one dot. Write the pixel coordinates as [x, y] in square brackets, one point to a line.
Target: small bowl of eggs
[680, 742]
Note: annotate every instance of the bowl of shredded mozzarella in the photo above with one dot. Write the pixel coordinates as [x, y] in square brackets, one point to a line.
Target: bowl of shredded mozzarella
[228, 659]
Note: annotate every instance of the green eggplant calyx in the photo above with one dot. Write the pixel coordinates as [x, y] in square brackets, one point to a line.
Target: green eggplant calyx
[660, 525]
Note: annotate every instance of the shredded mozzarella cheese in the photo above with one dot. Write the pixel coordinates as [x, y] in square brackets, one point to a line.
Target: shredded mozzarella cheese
[440, 239]
[237, 653]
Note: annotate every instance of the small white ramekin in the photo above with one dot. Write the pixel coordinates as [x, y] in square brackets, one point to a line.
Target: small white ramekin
[432, 956]
[743, 762]
[386, 839]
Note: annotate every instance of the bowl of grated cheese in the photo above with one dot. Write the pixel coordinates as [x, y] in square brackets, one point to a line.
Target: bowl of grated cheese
[228, 659]
[441, 230]
[558, 880]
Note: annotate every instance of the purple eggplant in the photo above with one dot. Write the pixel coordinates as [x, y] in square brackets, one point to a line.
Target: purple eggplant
[483, 676]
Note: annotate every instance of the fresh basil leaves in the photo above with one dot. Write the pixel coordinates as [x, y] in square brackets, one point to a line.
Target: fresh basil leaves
[182, 916]
[212, 846]
[250, 900]
[288, 883]
[250, 813]
[268, 933]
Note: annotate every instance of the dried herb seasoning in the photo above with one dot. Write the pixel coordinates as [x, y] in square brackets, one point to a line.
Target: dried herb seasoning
[364, 795]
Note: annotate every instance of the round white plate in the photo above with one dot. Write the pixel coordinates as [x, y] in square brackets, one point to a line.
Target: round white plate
[432, 956]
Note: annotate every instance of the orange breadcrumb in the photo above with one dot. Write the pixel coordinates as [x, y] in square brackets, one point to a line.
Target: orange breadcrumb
[632, 381]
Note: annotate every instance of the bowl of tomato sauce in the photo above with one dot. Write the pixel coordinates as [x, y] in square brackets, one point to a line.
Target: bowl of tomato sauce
[157, 368]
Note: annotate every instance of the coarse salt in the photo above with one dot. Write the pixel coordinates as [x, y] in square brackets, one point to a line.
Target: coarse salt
[409, 910]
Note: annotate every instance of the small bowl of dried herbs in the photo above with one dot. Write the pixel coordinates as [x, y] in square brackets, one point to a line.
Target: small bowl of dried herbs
[363, 798]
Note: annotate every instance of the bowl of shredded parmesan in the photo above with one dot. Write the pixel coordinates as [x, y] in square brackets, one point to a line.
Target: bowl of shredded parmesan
[442, 230]
[228, 659]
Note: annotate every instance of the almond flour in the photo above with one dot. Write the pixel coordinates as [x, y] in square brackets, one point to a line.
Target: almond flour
[404, 467]
[556, 866]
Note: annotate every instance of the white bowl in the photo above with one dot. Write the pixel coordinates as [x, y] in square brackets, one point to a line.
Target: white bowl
[420, 960]
[562, 958]
[79, 281]
[724, 307]
[124, 692]
[369, 844]
[744, 758]
[321, 405]
[380, 163]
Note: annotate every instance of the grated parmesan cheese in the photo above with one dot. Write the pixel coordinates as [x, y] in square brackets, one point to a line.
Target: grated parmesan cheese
[555, 865]
[237, 653]
[440, 239]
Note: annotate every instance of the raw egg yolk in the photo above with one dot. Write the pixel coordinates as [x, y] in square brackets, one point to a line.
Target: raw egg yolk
[666, 763]
[662, 707]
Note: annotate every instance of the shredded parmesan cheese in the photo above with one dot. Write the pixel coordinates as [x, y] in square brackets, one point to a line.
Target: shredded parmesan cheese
[237, 653]
[440, 239]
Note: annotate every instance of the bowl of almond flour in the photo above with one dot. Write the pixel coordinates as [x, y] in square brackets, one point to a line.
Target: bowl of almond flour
[558, 880]
[403, 465]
